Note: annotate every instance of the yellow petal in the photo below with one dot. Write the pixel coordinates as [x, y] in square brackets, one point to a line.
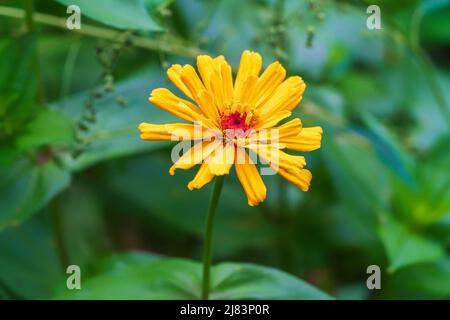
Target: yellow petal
[250, 179]
[307, 140]
[217, 89]
[173, 131]
[301, 179]
[221, 160]
[246, 91]
[227, 82]
[290, 128]
[278, 159]
[211, 73]
[206, 103]
[267, 84]
[286, 96]
[194, 155]
[191, 80]
[174, 74]
[202, 177]
[207, 65]
[269, 121]
[169, 102]
[250, 65]
[273, 135]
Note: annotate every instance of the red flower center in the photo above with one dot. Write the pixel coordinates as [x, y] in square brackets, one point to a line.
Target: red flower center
[235, 121]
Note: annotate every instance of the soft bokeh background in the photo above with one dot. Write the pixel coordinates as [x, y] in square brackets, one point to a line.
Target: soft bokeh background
[78, 186]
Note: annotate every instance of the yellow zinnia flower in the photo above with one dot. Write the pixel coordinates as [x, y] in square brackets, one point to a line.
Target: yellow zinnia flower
[227, 118]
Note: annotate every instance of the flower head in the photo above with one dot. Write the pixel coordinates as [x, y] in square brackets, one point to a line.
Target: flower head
[234, 123]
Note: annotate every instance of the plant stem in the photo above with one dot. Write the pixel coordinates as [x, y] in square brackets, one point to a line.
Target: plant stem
[104, 33]
[29, 8]
[59, 233]
[209, 233]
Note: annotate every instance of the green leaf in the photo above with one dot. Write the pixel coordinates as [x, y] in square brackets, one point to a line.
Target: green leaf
[427, 202]
[118, 263]
[424, 281]
[145, 277]
[130, 14]
[18, 82]
[29, 267]
[362, 192]
[26, 187]
[249, 281]
[48, 127]
[83, 227]
[405, 247]
[389, 150]
[115, 132]
[428, 6]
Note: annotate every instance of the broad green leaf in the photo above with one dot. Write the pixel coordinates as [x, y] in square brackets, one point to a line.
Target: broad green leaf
[405, 247]
[83, 225]
[29, 266]
[115, 132]
[423, 281]
[389, 150]
[428, 201]
[359, 179]
[249, 281]
[171, 278]
[18, 83]
[130, 14]
[26, 187]
[349, 155]
[118, 263]
[48, 127]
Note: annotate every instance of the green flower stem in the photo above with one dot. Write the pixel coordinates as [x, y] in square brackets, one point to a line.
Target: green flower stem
[209, 233]
[29, 7]
[173, 47]
[58, 225]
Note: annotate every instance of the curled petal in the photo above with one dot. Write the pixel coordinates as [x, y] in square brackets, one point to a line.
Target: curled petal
[273, 135]
[192, 81]
[250, 65]
[202, 177]
[227, 81]
[278, 159]
[207, 65]
[221, 159]
[166, 100]
[269, 121]
[173, 131]
[174, 74]
[308, 139]
[301, 179]
[286, 96]
[267, 83]
[195, 155]
[206, 102]
[251, 181]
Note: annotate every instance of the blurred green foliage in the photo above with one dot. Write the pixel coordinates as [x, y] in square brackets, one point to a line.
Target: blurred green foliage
[78, 186]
